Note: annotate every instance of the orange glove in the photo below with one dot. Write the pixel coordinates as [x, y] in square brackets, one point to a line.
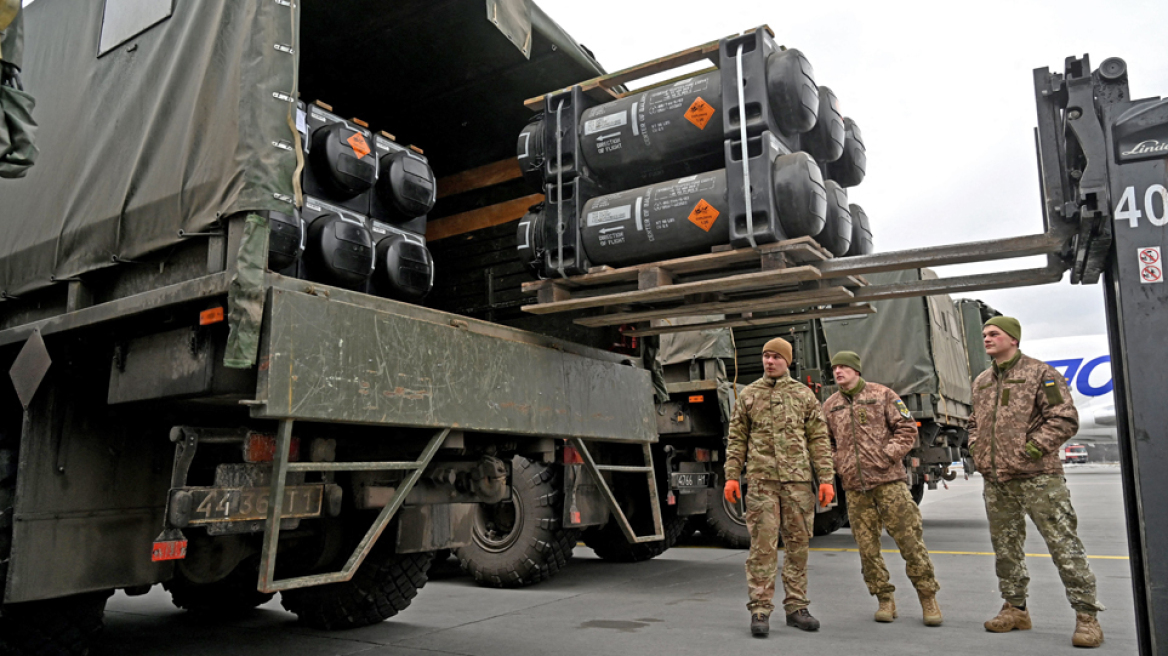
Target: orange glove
[826, 494]
[732, 492]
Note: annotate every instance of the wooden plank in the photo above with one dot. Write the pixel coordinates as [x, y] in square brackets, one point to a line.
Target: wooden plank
[678, 266]
[478, 178]
[484, 217]
[664, 83]
[654, 277]
[854, 310]
[651, 67]
[785, 301]
[743, 282]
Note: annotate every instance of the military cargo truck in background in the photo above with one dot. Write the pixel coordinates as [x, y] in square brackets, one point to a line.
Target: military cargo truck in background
[214, 381]
[926, 349]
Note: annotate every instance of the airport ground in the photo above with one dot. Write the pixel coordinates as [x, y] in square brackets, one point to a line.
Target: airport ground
[691, 601]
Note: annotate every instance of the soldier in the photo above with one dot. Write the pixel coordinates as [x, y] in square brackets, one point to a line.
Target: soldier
[872, 431]
[1022, 414]
[778, 429]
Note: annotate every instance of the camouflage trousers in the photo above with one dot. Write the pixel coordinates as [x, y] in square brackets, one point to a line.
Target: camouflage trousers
[1047, 501]
[890, 506]
[775, 509]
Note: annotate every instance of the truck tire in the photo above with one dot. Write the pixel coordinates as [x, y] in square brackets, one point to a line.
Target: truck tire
[918, 492]
[609, 541]
[724, 521]
[54, 627]
[521, 541]
[230, 596]
[7, 508]
[383, 586]
[833, 520]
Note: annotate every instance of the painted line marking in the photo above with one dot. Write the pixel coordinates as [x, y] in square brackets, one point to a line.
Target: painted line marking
[961, 553]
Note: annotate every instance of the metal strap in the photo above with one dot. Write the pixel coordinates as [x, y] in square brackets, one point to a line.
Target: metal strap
[742, 135]
[613, 504]
[560, 189]
[280, 469]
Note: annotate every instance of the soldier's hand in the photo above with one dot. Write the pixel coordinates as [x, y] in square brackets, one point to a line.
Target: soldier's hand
[1032, 451]
[732, 491]
[826, 494]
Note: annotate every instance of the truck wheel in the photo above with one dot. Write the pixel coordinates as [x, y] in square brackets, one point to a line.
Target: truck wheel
[520, 541]
[384, 585]
[609, 541]
[234, 594]
[58, 627]
[7, 507]
[833, 520]
[725, 521]
[918, 492]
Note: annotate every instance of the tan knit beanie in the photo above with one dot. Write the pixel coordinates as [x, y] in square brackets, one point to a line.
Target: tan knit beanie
[780, 346]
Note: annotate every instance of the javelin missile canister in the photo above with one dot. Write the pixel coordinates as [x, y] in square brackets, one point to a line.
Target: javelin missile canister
[673, 130]
[684, 216]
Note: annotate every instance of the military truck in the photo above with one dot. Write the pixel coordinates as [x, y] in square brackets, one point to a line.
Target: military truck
[221, 378]
[926, 349]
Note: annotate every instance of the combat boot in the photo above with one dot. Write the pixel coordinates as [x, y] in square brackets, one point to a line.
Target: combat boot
[887, 610]
[930, 609]
[760, 625]
[1088, 633]
[1010, 618]
[801, 619]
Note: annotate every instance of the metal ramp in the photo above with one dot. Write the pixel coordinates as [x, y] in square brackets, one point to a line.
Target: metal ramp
[646, 469]
[281, 467]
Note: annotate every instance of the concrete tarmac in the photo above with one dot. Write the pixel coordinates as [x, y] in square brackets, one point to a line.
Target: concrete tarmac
[691, 601]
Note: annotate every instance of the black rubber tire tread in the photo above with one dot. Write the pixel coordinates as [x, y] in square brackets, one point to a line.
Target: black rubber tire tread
[829, 522]
[610, 544]
[385, 585]
[55, 627]
[719, 525]
[234, 594]
[918, 492]
[543, 548]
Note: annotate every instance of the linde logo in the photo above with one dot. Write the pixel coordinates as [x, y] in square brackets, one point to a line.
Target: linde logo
[1146, 147]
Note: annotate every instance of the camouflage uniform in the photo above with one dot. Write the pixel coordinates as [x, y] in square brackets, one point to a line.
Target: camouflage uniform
[872, 431]
[1023, 405]
[778, 423]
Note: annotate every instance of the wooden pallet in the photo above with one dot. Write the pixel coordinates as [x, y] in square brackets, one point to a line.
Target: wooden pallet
[607, 87]
[776, 276]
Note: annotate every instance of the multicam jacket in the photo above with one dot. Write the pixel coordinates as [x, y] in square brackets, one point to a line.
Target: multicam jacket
[777, 422]
[872, 431]
[1024, 400]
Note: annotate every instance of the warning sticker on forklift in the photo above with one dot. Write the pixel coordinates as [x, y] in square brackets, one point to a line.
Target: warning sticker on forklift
[1151, 265]
[699, 113]
[359, 145]
[605, 123]
[610, 215]
[703, 215]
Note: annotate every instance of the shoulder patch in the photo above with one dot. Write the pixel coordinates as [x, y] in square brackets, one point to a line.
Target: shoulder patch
[902, 408]
[1054, 396]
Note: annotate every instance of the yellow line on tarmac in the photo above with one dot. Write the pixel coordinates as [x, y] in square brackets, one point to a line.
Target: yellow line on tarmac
[961, 553]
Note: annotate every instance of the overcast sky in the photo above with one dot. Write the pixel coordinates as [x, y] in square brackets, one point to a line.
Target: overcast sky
[943, 93]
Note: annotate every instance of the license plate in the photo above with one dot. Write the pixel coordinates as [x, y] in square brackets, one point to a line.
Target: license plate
[213, 505]
[680, 481]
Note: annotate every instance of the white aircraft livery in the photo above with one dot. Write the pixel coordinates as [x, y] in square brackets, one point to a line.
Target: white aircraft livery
[1085, 361]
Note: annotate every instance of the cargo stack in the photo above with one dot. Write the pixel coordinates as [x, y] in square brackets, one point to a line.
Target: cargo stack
[750, 153]
[363, 222]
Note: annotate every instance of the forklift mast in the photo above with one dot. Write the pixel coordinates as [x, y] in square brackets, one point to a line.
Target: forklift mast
[1102, 157]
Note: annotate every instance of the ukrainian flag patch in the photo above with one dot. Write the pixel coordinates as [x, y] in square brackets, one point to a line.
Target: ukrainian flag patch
[1053, 395]
[903, 409]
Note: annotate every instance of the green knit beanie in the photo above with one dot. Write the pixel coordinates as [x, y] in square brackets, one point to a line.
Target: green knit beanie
[1009, 325]
[847, 359]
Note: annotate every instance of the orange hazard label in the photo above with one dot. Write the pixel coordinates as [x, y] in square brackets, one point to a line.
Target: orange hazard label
[699, 113]
[359, 145]
[703, 215]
